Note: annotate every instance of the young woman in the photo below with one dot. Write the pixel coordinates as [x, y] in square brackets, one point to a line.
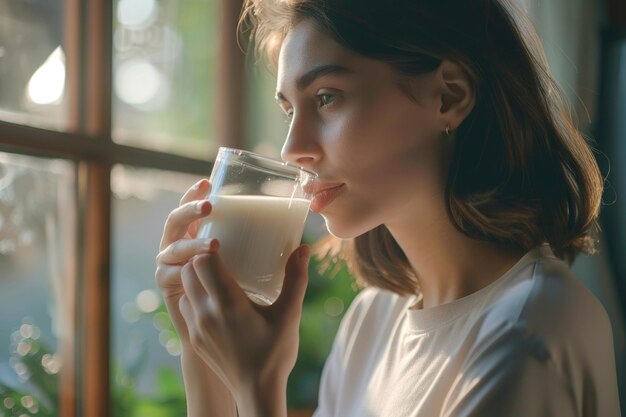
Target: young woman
[458, 191]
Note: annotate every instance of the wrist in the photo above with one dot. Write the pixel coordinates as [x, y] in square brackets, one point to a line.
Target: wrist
[205, 392]
[190, 359]
[264, 397]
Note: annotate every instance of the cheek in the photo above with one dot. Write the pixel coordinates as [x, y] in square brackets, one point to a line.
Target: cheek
[389, 156]
[390, 145]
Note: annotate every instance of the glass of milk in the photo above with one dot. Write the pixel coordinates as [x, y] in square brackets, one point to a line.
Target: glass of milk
[259, 208]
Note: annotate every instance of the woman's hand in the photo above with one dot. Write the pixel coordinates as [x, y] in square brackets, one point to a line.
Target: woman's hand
[205, 392]
[178, 246]
[252, 348]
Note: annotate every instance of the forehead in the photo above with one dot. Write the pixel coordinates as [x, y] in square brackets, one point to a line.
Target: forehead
[305, 47]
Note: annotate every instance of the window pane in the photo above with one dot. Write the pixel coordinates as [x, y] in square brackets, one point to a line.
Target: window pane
[146, 367]
[37, 228]
[164, 58]
[32, 63]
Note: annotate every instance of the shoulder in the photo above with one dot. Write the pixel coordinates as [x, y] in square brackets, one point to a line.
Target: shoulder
[542, 347]
[560, 293]
[546, 330]
[551, 302]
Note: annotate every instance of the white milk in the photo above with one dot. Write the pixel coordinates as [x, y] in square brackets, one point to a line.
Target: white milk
[256, 235]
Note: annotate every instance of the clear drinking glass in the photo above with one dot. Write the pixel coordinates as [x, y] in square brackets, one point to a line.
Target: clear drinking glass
[259, 209]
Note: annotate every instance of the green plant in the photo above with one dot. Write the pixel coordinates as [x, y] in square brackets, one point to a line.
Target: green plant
[168, 401]
[36, 366]
[328, 296]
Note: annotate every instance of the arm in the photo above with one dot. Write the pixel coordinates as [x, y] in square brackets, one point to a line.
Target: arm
[206, 394]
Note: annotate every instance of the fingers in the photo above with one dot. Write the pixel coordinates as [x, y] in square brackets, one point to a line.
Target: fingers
[296, 279]
[199, 191]
[196, 307]
[195, 293]
[201, 341]
[170, 260]
[201, 313]
[187, 314]
[174, 229]
[180, 218]
[217, 281]
[167, 277]
[181, 251]
[196, 191]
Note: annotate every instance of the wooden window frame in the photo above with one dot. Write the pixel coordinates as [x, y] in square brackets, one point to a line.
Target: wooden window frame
[85, 377]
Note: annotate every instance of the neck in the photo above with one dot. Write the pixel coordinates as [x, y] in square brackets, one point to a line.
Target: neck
[448, 264]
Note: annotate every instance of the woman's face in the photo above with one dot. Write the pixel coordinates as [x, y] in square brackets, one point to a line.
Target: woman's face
[380, 155]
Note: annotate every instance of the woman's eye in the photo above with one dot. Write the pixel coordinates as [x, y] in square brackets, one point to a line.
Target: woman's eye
[326, 99]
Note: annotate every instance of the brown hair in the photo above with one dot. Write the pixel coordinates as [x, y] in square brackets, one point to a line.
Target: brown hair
[521, 173]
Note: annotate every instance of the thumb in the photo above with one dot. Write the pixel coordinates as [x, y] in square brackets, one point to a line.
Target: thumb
[296, 279]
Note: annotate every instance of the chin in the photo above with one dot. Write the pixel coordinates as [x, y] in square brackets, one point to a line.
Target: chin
[344, 229]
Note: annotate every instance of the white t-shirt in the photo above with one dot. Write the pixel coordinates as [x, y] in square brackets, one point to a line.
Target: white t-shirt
[533, 343]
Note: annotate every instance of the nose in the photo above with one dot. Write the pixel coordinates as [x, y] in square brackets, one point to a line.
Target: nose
[302, 146]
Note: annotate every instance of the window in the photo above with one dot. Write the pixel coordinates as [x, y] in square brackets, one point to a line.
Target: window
[96, 96]
[108, 112]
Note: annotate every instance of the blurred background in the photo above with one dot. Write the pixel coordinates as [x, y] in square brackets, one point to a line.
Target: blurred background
[109, 113]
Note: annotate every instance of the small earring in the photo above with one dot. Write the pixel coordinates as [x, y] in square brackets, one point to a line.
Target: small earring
[448, 130]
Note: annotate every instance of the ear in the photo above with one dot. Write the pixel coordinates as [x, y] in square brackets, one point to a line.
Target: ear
[457, 94]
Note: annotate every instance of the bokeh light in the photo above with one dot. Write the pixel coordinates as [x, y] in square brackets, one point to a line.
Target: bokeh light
[334, 306]
[23, 348]
[147, 301]
[130, 314]
[51, 364]
[161, 321]
[47, 84]
[136, 13]
[173, 347]
[9, 403]
[138, 82]
[27, 401]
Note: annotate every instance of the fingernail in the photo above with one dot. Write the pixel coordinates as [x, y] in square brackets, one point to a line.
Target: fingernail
[212, 245]
[199, 184]
[203, 207]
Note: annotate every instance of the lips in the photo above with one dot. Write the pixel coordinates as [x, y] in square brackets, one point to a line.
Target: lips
[324, 194]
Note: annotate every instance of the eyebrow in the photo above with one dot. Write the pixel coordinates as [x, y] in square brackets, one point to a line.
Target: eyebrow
[307, 78]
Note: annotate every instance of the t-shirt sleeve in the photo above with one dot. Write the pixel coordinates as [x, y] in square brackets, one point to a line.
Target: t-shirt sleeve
[513, 375]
